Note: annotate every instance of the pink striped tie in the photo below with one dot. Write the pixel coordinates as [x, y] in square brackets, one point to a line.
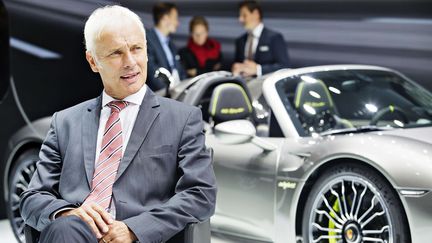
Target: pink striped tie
[109, 158]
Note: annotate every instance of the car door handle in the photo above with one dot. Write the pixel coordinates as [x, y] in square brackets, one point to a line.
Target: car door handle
[301, 154]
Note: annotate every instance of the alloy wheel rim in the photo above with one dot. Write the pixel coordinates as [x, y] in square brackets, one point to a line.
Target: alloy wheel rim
[350, 209]
[19, 185]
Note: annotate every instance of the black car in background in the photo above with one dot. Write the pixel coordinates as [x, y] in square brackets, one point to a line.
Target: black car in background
[4, 51]
[48, 70]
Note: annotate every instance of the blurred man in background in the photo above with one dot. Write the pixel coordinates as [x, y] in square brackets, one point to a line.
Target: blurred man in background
[260, 50]
[161, 50]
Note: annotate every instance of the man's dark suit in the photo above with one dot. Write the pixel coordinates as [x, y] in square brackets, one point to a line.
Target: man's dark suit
[157, 59]
[271, 52]
[165, 179]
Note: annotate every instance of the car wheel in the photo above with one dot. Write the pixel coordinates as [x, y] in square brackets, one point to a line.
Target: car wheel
[22, 172]
[352, 204]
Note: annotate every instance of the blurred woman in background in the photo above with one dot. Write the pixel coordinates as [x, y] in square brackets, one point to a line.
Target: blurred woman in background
[202, 54]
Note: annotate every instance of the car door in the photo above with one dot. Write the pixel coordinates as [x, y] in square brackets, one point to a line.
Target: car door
[246, 182]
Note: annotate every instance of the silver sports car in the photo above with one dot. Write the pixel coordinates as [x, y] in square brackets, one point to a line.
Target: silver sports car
[320, 154]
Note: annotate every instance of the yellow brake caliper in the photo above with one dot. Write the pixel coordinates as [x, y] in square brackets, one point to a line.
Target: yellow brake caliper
[331, 224]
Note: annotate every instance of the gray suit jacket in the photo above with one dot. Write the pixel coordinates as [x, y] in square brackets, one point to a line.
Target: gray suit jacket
[164, 181]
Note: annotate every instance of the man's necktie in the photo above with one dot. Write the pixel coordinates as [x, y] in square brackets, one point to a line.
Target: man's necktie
[110, 156]
[249, 52]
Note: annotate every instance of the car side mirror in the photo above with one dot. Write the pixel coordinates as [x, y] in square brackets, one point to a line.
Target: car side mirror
[165, 76]
[235, 131]
[240, 131]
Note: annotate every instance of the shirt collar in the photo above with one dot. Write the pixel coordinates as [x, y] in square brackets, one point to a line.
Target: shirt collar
[258, 30]
[135, 98]
[162, 38]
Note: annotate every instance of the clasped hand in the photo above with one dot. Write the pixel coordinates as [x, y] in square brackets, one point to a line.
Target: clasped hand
[102, 224]
[247, 68]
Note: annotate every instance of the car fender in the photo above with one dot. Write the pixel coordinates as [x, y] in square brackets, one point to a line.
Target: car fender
[33, 133]
[406, 163]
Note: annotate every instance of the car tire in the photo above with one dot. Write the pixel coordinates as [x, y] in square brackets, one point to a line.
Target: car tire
[352, 203]
[21, 174]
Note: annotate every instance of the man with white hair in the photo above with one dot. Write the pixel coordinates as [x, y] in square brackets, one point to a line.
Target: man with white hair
[126, 166]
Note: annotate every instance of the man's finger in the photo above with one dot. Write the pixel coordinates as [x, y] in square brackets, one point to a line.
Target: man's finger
[97, 218]
[89, 220]
[105, 239]
[119, 232]
[105, 215]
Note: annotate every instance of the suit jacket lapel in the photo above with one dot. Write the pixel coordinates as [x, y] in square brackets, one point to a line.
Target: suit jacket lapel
[243, 46]
[90, 126]
[149, 111]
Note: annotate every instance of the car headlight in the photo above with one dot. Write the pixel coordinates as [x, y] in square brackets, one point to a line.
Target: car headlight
[413, 193]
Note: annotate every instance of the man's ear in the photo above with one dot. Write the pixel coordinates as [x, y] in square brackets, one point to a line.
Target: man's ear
[256, 13]
[91, 60]
[164, 20]
[146, 50]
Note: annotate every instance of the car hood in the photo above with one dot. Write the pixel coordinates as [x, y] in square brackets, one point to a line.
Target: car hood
[422, 134]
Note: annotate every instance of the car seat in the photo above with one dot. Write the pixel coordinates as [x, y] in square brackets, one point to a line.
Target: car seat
[315, 107]
[229, 101]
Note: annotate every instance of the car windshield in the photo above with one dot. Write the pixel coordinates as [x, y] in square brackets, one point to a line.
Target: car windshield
[320, 102]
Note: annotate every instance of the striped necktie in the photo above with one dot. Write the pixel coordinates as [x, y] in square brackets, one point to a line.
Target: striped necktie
[249, 51]
[110, 156]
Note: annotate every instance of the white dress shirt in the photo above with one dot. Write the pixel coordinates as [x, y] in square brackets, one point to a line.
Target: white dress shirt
[127, 116]
[256, 32]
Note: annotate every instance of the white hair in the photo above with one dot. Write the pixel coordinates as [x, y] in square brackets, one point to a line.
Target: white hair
[107, 16]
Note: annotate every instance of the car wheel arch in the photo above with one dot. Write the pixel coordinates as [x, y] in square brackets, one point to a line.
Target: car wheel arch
[313, 177]
[26, 138]
[19, 149]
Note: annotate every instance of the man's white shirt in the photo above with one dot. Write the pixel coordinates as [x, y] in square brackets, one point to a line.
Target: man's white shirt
[256, 32]
[127, 116]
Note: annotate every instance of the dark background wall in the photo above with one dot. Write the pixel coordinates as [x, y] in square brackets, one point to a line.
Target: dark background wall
[395, 34]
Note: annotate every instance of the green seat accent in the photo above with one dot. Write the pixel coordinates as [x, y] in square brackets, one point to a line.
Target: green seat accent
[229, 101]
[303, 96]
